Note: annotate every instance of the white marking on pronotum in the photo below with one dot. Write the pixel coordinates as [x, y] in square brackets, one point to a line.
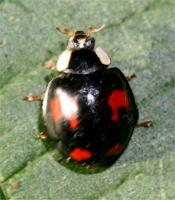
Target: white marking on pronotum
[63, 60]
[103, 56]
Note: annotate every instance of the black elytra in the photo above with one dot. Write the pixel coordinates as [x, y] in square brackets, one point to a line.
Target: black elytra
[89, 109]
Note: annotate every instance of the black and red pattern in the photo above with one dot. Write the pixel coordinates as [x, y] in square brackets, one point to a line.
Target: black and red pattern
[89, 109]
[94, 112]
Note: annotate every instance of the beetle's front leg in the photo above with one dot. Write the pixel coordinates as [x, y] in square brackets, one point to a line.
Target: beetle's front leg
[31, 97]
[145, 124]
[130, 77]
[50, 64]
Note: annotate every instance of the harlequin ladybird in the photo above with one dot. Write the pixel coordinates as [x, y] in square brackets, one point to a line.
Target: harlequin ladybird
[89, 109]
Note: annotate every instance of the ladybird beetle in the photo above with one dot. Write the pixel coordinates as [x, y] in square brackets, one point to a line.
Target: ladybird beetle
[89, 109]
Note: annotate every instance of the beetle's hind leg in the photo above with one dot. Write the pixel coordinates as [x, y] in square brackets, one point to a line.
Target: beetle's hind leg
[145, 124]
[31, 97]
[41, 135]
[130, 77]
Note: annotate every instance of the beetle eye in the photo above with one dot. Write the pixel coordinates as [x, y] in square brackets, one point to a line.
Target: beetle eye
[75, 42]
[88, 43]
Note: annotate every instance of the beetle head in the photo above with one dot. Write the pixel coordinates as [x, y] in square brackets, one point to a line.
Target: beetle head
[80, 55]
[80, 39]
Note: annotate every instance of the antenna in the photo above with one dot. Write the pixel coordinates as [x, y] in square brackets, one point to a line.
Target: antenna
[69, 32]
[94, 30]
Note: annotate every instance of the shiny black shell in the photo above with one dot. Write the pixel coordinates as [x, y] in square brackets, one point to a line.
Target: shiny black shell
[90, 116]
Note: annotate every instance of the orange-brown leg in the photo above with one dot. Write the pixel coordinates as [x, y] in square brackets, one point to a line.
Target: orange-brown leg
[31, 97]
[42, 135]
[145, 124]
[50, 64]
[130, 77]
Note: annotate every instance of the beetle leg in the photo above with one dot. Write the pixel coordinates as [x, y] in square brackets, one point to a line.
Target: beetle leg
[146, 124]
[30, 97]
[50, 64]
[130, 77]
[42, 135]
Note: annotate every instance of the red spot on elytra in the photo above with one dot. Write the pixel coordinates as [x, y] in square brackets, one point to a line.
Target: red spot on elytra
[80, 154]
[115, 150]
[74, 122]
[57, 113]
[116, 100]
[55, 109]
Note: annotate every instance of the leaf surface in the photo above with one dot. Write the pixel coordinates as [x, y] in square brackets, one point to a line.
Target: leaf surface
[140, 39]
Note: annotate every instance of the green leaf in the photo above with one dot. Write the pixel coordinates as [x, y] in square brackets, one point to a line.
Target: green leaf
[2, 197]
[140, 39]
